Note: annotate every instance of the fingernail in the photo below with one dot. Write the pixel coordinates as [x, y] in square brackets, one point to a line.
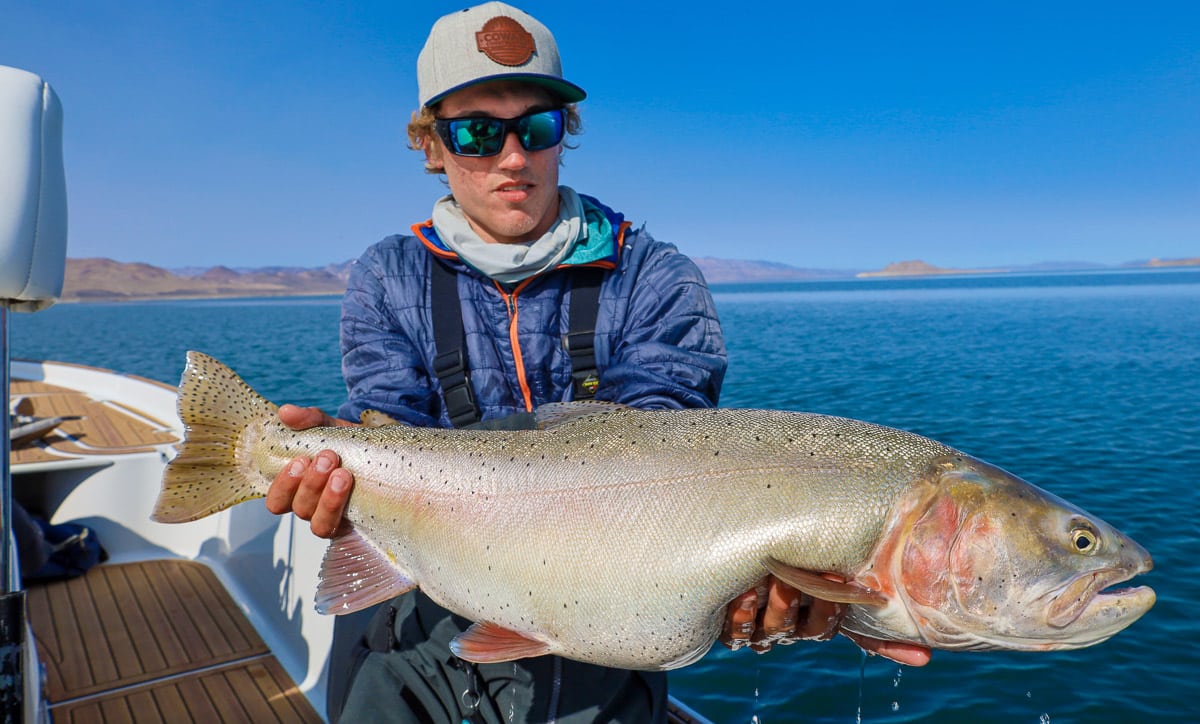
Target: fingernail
[748, 604]
[338, 483]
[324, 464]
[296, 469]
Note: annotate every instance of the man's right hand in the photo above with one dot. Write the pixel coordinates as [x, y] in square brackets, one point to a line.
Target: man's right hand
[315, 489]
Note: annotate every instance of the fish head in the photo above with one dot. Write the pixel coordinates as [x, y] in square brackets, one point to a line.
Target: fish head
[982, 560]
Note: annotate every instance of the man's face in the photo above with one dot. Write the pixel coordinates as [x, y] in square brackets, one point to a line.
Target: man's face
[512, 196]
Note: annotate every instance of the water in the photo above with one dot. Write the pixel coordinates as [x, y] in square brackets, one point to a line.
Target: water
[1085, 384]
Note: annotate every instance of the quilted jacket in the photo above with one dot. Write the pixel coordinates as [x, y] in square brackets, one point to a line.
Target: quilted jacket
[658, 342]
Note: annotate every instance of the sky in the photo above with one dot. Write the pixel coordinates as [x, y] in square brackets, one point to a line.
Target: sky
[820, 135]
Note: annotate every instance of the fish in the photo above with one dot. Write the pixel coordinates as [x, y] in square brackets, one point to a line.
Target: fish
[618, 536]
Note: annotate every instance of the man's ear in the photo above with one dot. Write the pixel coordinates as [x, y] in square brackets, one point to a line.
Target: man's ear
[433, 155]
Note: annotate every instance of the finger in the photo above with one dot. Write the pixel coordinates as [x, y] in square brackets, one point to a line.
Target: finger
[779, 616]
[740, 620]
[283, 487]
[302, 418]
[900, 652]
[820, 620]
[783, 602]
[312, 484]
[331, 507]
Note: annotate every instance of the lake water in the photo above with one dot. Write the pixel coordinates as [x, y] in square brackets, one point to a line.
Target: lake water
[1085, 384]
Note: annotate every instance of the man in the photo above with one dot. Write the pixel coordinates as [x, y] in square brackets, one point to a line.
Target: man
[516, 247]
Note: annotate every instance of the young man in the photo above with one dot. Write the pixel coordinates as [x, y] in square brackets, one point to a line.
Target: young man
[516, 248]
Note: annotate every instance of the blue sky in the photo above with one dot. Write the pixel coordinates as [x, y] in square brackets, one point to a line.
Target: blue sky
[824, 135]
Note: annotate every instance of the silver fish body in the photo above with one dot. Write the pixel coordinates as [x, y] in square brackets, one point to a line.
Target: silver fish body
[619, 537]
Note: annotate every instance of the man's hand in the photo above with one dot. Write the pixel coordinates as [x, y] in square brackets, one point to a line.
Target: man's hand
[315, 489]
[775, 613]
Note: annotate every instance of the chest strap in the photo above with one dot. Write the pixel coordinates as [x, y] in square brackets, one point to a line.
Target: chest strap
[580, 340]
[452, 368]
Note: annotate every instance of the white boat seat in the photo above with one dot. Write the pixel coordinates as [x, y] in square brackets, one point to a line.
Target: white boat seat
[33, 192]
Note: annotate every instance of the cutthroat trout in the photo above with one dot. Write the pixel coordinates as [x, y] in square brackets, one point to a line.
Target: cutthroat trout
[618, 537]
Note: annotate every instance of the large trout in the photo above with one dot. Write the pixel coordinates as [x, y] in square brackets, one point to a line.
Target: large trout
[619, 537]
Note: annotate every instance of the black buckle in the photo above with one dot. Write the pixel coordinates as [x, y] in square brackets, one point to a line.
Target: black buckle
[451, 372]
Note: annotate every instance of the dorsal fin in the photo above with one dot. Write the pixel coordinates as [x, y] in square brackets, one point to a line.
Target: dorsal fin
[554, 414]
[375, 418]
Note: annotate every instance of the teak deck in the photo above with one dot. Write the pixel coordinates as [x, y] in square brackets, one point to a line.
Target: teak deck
[103, 427]
[156, 641]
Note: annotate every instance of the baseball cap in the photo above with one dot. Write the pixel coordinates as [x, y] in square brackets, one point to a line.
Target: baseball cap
[492, 41]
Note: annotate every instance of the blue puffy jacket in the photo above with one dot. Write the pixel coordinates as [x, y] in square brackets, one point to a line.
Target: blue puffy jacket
[658, 341]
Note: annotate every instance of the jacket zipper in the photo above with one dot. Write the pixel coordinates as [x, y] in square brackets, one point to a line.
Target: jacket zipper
[510, 303]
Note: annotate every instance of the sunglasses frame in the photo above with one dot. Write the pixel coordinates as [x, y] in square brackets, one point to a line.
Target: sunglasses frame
[507, 126]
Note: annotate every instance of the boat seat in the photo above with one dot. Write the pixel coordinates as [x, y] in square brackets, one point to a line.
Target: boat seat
[33, 192]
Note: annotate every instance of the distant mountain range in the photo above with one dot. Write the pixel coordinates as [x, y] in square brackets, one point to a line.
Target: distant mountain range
[108, 280]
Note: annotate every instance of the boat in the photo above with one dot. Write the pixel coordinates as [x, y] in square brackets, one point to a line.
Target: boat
[212, 620]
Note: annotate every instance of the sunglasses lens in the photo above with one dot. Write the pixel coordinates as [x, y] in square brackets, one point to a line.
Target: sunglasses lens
[541, 130]
[485, 136]
[476, 136]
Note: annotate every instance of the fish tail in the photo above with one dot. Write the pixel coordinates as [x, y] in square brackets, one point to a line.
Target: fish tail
[212, 471]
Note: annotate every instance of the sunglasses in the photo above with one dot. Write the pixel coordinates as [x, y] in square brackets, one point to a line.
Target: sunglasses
[484, 136]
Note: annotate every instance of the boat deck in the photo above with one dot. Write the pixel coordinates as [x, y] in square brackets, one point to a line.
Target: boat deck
[156, 641]
[102, 427]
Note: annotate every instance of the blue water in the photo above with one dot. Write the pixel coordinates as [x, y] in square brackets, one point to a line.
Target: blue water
[1085, 384]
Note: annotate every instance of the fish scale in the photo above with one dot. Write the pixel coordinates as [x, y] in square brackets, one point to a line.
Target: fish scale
[618, 536]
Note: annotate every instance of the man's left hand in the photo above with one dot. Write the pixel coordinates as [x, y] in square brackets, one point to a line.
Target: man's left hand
[775, 613]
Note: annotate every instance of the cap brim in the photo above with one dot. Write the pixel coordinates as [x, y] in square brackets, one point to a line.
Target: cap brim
[566, 91]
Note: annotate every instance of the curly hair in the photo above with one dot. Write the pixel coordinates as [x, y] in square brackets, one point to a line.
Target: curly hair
[421, 131]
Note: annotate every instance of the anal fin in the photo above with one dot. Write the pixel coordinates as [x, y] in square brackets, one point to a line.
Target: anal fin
[489, 643]
[818, 586]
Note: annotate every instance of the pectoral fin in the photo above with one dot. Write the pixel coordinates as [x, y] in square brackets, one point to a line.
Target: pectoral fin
[355, 575]
[818, 586]
[489, 643]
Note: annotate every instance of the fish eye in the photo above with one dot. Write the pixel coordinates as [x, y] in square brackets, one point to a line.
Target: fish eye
[1085, 540]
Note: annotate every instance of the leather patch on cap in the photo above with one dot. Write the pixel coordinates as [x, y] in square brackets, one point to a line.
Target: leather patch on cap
[504, 41]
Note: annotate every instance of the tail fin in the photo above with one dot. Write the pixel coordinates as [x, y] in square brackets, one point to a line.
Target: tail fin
[211, 472]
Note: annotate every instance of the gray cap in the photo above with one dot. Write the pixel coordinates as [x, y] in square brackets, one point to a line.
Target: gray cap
[492, 41]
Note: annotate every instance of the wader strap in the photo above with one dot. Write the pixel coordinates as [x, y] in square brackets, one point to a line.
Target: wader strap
[450, 344]
[580, 342]
[452, 368]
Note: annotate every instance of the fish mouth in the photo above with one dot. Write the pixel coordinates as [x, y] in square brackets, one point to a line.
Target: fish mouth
[1094, 593]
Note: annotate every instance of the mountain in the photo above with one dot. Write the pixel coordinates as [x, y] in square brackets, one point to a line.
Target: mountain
[918, 268]
[108, 280]
[734, 271]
